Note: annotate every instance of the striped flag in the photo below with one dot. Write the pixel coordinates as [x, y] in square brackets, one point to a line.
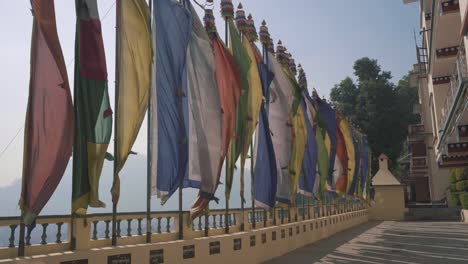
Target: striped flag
[93, 115]
[134, 57]
[48, 137]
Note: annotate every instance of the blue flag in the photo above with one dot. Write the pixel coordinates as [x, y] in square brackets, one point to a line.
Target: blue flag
[309, 164]
[357, 156]
[265, 180]
[173, 27]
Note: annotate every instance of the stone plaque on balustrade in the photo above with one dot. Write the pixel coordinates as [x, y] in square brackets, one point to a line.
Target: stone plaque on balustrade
[78, 261]
[120, 259]
[157, 256]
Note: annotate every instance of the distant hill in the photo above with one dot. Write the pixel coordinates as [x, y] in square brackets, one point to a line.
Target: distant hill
[132, 197]
[133, 192]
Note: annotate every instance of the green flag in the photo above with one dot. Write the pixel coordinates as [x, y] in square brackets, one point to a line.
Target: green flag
[93, 115]
[322, 156]
[243, 61]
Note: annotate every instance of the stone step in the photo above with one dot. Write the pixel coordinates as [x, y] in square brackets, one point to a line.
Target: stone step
[433, 214]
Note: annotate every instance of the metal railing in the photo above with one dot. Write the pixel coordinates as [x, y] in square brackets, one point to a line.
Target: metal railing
[457, 84]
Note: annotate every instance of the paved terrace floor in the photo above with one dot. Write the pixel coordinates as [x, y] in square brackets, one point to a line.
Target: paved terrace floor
[388, 242]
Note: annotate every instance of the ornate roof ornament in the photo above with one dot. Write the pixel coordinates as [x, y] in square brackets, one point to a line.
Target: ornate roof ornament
[264, 35]
[281, 55]
[252, 31]
[241, 20]
[302, 79]
[209, 20]
[271, 46]
[292, 65]
[227, 9]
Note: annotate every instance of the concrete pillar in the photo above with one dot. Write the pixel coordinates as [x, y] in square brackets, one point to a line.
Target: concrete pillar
[389, 195]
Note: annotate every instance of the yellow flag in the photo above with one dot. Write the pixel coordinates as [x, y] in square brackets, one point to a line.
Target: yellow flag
[299, 145]
[348, 138]
[254, 104]
[134, 58]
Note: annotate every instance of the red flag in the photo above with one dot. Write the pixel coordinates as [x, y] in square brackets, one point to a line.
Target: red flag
[48, 138]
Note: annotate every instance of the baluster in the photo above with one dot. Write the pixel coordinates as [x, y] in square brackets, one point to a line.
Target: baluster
[28, 235]
[95, 230]
[118, 227]
[168, 224]
[206, 224]
[106, 233]
[214, 221]
[44, 234]
[59, 233]
[199, 223]
[221, 220]
[159, 225]
[129, 227]
[12, 236]
[139, 226]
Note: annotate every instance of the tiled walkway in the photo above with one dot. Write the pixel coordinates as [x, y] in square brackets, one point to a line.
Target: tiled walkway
[389, 242]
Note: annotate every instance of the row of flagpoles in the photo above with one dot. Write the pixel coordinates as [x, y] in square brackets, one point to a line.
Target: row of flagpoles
[205, 101]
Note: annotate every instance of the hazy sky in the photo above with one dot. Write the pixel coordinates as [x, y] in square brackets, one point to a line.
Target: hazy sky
[326, 37]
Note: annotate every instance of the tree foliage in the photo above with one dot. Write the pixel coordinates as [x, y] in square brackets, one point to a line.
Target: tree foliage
[376, 106]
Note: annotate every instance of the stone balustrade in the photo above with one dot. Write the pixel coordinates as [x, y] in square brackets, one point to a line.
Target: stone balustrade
[51, 234]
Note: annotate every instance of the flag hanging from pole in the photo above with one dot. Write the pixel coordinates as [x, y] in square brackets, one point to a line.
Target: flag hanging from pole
[345, 129]
[312, 146]
[173, 26]
[327, 114]
[266, 175]
[253, 108]
[134, 58]
[48, 137]
[205, 117]
[353, 184]
[364, 166]
[93, 115]
[229, 87]
[341, 182]
[322, 154]
[243, 62]
[280, 126]
[309, 165]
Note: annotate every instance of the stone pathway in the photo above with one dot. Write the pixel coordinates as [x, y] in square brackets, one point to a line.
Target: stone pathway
[388, 242]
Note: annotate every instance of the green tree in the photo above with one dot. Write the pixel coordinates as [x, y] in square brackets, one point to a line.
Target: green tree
[381, 109]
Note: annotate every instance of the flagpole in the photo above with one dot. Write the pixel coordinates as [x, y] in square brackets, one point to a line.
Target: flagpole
[226, 209]
[21, 238]
[149, 152]
[117, 61]
[181, 181]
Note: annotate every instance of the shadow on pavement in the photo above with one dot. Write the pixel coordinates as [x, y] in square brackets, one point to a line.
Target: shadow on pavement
[388, 242]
